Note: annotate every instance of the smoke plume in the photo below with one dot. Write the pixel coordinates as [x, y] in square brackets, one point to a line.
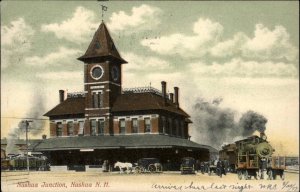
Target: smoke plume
[215, 126]
[35, 112]
[252, 121]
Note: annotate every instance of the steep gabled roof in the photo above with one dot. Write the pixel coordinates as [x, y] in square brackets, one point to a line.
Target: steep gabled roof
[102, 46]
[70, 106]
[144, 101]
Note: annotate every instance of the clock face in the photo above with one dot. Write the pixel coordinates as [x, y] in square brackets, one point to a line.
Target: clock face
[96, 72]
[115, 73]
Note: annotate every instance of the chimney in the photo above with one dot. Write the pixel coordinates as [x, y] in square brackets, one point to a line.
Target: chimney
[263, 135]
[172, 97]
[176, 96]
[61, 96]
[164, 88]
[44, 136]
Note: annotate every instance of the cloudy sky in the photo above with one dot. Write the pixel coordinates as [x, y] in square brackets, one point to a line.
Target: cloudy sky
[244, 52]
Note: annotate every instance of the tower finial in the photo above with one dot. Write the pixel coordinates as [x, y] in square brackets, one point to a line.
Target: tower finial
[103, 8]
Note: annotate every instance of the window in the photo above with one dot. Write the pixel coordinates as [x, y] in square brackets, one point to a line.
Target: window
[95, 100]
[59, 128]
[170, 126]
[147, 125]
[182, 128]
[100, 99]
[163, 125]
[101, 127]
[167, 126]
[93, 127]
[81, 128]
[70, 127]
[173, 127]
[122, 126]
[135, 126]
[177, 127]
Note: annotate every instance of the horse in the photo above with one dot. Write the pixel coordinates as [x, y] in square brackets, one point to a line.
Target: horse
[121, 166]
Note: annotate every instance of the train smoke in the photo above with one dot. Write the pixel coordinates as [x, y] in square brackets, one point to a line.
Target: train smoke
[36, 110]
[252, 121]
[213, 125]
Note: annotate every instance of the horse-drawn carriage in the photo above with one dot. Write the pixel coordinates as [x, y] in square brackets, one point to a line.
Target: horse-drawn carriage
[151, 165]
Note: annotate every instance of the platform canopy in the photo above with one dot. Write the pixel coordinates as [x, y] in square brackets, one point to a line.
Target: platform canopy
[117, 142]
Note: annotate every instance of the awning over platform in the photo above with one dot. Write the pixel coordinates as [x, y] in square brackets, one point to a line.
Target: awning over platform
[117, 142]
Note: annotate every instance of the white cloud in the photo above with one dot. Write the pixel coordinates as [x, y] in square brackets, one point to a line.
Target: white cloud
[62, 55]
[266, 44]
[270, 44]
[17, 32]
[75, 29]
[206, 33]
[143, 63]
[230, 46]
[15, 41]
[239, 68]
[207, 29]
[61, 75]
[141, 18]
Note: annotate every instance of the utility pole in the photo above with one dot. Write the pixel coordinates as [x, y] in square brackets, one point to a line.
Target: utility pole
[26, 129]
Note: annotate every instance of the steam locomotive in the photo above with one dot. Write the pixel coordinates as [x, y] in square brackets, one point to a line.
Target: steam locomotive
[253, 157]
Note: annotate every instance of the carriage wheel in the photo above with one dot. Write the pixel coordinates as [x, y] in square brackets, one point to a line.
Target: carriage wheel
[240, 174]
[160, 168]
[152, 168]
[137, 170]
[246, 175]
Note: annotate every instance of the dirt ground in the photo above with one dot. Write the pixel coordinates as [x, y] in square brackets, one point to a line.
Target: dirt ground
[159, 182]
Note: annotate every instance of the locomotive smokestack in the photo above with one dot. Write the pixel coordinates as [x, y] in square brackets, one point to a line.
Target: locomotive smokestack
[172, 97]
[164, 88]
[61, 96]
[263, 135]
[176, 96]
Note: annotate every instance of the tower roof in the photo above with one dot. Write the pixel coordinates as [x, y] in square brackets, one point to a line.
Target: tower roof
[102, 47]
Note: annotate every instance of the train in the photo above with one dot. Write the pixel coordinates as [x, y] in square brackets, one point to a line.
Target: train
[38, 163]
[253, 156]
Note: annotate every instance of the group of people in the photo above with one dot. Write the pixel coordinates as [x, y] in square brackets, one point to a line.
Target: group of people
[219, 167]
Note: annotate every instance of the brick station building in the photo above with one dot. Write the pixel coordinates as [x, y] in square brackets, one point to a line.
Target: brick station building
[106, 122]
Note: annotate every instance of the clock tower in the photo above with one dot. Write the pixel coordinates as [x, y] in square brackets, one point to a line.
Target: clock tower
[102, 79]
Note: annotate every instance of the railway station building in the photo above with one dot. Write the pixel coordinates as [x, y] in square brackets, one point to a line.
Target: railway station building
[108, 122]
